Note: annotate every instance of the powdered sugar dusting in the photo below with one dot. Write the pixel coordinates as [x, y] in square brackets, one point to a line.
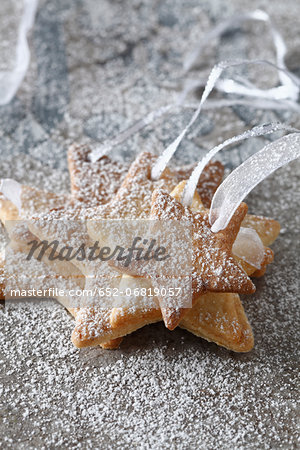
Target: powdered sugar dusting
[161, 389]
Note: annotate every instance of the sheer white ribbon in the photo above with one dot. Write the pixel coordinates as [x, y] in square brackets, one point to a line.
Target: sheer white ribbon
[10, 80]
[260, 130]
[250, 173]
[11, 190]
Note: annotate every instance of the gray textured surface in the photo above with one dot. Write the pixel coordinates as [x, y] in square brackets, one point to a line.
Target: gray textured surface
[96, 67]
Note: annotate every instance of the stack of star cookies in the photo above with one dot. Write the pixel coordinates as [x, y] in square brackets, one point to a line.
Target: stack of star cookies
[106, 192]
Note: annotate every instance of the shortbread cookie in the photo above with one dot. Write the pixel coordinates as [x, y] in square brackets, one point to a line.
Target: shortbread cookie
[93, 184]
[90, 322]
[220, 318]
[214, 267]
[208, 176]
[215, 317]
[66, 213]
[133, 199]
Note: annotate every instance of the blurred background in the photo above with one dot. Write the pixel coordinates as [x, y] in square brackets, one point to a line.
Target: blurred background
[97, 66]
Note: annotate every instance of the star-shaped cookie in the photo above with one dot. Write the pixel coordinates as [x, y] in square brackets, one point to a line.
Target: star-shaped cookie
[214, 267]
[216, 317]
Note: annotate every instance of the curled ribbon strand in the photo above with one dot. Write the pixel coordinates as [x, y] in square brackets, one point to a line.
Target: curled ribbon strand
[233, 22]
[289, 88]
[10, 80]
[213, 78]
[284, 96]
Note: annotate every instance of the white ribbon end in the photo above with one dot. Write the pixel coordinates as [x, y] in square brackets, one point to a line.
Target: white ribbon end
[249, 247]
[12, 190]
[216, 227]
